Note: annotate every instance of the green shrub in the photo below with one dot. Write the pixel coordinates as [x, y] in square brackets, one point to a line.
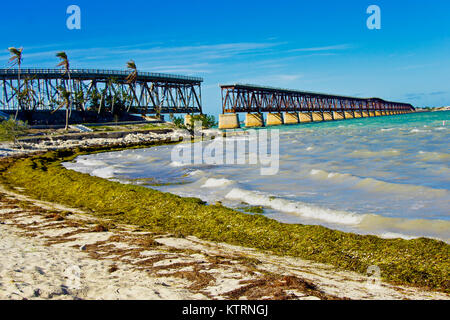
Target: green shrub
[177, 121]
[10, 129]
[208, 121]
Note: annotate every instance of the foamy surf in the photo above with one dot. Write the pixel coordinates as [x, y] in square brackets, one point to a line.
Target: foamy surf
[215, 183]
[366, 223]
[379, 186]
[294, 207]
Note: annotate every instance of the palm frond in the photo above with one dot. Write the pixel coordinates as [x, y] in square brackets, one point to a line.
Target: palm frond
[16, 55]
[64, 61]
[131, 65]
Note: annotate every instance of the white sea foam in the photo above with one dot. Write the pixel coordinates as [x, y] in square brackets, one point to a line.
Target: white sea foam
[195, 172]
[374, 185]
[106, 172]
[295, 207]
[418, 130]
[89, 162]
[214, 183]
[179, 164]
[394, 235]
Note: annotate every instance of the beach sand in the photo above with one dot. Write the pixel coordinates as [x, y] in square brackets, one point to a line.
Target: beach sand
[54, 252]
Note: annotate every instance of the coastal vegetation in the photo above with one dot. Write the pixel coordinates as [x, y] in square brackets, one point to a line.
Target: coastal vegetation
[11, 129]
[207, 121]
[420, 262]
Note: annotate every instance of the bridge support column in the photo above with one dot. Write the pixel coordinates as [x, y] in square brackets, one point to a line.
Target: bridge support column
[365, 114]
[348, 115]
[327, 116]
[187, 119]
[338, 115]
[229, 121]
[291, 118]
[254, 120]
[372, 113]
[304, 117]
[357, 114]
[274, 119]
[377, 113]
[317, 116]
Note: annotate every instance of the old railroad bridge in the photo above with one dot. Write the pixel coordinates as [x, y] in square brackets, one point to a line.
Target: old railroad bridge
[157, 93]
[292, 107]
[105, 90]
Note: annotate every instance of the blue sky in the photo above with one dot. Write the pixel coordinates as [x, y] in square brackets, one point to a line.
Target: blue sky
[321, 46]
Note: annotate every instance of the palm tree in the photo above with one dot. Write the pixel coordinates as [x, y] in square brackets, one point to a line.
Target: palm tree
[16, 59]
[65, 94]
[64, 64]
[131, 79]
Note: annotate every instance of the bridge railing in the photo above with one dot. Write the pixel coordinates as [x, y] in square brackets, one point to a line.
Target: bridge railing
[99, 72]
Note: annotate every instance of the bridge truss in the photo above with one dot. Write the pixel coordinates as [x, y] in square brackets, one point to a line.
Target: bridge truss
[255, 99]
[99, 90]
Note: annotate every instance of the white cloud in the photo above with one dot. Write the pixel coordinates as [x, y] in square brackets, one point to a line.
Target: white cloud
[326, 48]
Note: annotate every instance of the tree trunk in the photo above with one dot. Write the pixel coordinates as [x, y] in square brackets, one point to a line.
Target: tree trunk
[18, 96]
[68, 106]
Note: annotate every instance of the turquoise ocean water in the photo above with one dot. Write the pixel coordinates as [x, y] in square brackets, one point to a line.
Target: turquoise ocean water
[387, 176]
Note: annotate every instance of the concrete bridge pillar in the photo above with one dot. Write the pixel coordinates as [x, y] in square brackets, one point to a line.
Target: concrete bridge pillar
[372, 113]
[254, 120]
[274, 119]
[229, 121]
[349, 114]
[338, 115]
[304, 117]
[187, 119]
[291, 118]
[317, 116]
[327, 116]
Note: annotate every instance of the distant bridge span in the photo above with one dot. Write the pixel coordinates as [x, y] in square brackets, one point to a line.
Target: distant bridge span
[100, 90]
[298, 106]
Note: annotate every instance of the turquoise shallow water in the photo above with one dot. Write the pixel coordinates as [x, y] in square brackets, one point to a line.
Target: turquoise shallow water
[388, 176]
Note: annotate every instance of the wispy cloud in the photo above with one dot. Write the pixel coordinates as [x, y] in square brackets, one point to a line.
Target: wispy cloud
[271, 79]
[325, 48]
[420, 95]
[189, 59]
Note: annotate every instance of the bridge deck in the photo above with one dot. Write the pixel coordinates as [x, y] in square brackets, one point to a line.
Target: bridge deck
[253, 98]
[90, 74]
[99, 90]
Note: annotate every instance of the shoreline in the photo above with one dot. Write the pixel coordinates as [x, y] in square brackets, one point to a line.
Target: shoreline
[152, 139]
[116, 261]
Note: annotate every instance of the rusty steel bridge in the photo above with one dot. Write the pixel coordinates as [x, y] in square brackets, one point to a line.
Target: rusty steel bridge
[292, 107]
[100, 90]
[251, 98]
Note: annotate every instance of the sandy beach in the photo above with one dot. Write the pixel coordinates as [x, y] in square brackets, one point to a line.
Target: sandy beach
[51, 251]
